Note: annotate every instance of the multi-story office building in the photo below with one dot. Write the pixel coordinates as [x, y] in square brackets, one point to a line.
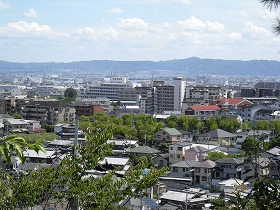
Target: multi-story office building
[109, 89]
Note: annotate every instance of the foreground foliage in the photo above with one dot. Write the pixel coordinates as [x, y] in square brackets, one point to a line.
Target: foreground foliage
[71, 180]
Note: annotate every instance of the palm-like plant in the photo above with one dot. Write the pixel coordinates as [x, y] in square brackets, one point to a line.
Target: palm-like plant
[273, 4]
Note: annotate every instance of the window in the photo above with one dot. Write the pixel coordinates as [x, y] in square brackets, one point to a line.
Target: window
[171, 148]
[178, 137]
[179, 148]
[175, 169]
[204, 178]
[178, 156]
[205, 170]
[197, 170]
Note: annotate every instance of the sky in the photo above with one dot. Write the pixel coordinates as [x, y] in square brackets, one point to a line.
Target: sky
[130, 30]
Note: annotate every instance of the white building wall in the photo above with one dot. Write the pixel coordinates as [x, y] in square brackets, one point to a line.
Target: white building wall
[179, 92]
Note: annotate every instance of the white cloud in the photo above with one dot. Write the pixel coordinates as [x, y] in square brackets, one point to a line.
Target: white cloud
[214, 26]
[132, 23]
[108, 34]
[234, 36]
[23, 29]
[4, 5]
[115, 10]
[256, 31]
[30, 13]
[192, 24]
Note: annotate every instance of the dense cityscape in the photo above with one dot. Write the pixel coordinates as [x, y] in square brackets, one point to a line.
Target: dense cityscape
[142, 105]
[204, 131]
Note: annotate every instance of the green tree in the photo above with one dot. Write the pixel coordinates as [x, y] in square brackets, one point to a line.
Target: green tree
[218, 204]
[15, 144]
[262, 125]
[70, 93]
[214, 156]
[250, 146]
[70, 180]
[246, 126]
[16, 115]
[211, 124]
[171, 122]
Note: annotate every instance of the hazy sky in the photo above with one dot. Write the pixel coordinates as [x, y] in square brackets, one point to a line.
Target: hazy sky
[72, 30]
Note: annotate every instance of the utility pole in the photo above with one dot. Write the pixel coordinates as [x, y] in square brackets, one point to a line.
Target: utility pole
[74, 204]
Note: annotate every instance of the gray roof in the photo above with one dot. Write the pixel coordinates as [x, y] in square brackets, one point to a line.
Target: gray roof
[218, 133]
[230, 161]
[274, 151]
[198, 149]
[254, 132]
[144, 150]
[206, 164]
[172, 131]
[185, 164]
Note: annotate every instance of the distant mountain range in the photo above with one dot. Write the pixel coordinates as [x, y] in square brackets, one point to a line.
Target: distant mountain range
[191, 66]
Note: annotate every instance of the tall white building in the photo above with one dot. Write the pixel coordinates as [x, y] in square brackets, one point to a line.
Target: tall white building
[179, 92]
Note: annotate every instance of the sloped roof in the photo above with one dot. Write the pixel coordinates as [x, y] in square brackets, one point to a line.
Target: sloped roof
[274, 151]
[144, 150]
[197, 149]
[218, 133]
[205, 108]
[232, 101]
[185, 164]
[206, 164]
[230, 161]
[172, 131]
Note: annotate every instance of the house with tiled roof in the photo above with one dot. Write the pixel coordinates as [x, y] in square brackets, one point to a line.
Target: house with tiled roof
[203, 173]
[233, 103]
[182, 168]
[202, 110]
[143, 151]
[227, 168]
[168, 135]
[217, 137]
[197, 153]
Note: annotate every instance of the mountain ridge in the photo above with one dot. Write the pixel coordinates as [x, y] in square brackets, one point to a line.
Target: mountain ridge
[192, 65]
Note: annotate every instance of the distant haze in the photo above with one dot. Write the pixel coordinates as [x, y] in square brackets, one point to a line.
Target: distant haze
[183, 67]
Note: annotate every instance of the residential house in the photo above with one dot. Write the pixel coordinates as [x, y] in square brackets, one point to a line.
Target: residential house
[203, 173]
[233, 103]
[217, 137]
[273, 155]
[197, 153]
[160, 161]
[259, 165]
[68, 131]
[177, 152]
[143, 151]
[182, 169]
[121, 146]
[15, 125]
[241, 136]
[168, 135]
[228, 168]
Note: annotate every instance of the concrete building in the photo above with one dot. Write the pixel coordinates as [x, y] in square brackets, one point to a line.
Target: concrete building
[179, 93]
[49, 112]
[109, 89]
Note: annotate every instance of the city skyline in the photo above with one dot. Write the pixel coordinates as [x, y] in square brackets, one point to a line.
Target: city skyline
[156, 30]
